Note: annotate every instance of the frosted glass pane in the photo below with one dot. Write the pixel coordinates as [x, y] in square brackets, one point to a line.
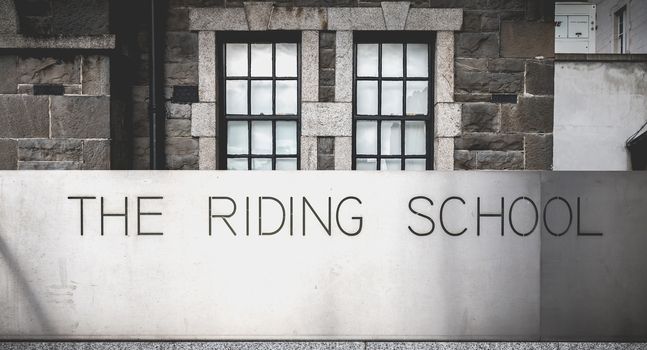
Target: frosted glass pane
[367, 60]
[414, 138]
[236, 97]
[286, 60]
[391, 136]
[286, 97]
[417, 60]
[237, 137]
[367, 97]
[262, 137]
[286, 164]
[366, 137]
[286, 137]
[390, 164]
[261, 60]
[391, 98]
[261, 164]
[236, 59]
[237, 164]
[262, 97]
[392, 62]
[415, 164]
[417, 97]
[366, 164]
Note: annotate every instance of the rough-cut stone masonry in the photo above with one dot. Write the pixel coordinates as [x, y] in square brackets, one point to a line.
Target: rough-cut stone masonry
[495, 88]
[54, 112]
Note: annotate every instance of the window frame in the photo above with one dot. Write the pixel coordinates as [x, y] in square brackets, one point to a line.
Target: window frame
[249, 38]
[620, 23]
[396, 37]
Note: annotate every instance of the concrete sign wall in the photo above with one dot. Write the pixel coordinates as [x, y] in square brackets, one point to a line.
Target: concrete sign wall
[343, 255]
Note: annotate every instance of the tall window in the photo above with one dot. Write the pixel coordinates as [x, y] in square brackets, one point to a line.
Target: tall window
[259, 85]
[392, 113]
[621, 30]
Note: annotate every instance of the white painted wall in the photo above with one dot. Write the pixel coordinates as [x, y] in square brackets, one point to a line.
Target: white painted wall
[598, 105]
[636, 25]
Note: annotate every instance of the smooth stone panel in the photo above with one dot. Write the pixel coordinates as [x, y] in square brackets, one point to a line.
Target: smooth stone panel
[344, 66]
[299, 18]
[207, 66]
[448, 119]
[310, 66]
[395, 14]
[434, 19]
[212, 18]
[355, 18]
[326, 119]
[203, 119]
[258, 14]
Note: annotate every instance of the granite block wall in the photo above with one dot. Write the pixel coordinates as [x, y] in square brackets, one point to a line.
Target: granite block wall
[54, 101]
[54, 112]
[503, 80]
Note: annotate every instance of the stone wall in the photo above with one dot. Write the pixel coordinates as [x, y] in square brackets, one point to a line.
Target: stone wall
[503, 79]
[55, 91]
[502, 82]
[54, 112]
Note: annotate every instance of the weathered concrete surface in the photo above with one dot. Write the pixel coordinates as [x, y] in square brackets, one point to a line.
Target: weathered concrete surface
[598, 105]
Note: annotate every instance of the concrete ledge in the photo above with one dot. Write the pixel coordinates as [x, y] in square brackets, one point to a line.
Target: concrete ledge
[89, 42]
[288, 345]
[583, 57]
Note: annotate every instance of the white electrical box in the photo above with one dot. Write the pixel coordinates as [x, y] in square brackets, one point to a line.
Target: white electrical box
[575, 27]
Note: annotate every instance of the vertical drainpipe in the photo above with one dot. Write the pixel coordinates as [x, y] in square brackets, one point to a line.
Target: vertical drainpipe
[156, 110]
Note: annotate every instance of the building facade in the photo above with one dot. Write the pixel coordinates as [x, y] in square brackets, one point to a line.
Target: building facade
[488, 87]
[313, 85]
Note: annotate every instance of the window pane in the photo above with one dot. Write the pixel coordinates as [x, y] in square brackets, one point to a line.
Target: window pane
[415, 164]
[237, 164]
[417, 95]
[367, 60]
[262, 137]
[392, 60]
[286, 97]
[417, 60]
[262, 97]
[286, 60]
[391, 98]
[261, 164]
[366, 137]
[414, 138]
[236, 99]
[286, 164]
[286, 138]
[261, 60]
[391, 137]
[366, 164]
[236, 59]
[237, 138]
[367, 97]
[390, 164]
